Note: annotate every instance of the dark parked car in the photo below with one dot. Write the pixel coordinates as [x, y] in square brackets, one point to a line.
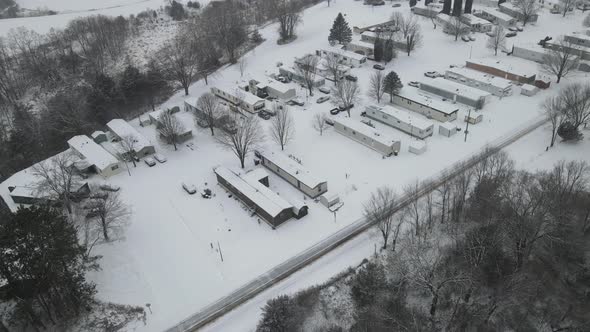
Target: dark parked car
[351, 78]
[342, 108]
[335, 111]
[510, 34]
[378, 67]
[264, 114]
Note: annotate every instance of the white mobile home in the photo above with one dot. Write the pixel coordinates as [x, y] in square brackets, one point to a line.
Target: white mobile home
[401, 120]
[495, 85]
[429, 106]
[430, 10]
[263, 87]
[345, 57]
[476, 24]
[456, 92]
[502, 69]
[532, 52]
[246, 101]
[444, 20]
[497, 17]
[370, 137]
[292, 74]
[512, 10]
[293, 172]
[122, 130]
[98, 159]
[182, 136]
[360, 46]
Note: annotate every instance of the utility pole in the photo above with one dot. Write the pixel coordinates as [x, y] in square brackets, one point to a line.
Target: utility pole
[219, 248]
[467, 125]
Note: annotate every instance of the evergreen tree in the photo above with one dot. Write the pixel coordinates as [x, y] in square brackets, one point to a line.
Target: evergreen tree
[369, 281]
[102, 98]
[45, 266]
[131, 83]
[378, 50]
[340, 30]
[256, 38]
[279, 314]
[388, 51]
[392, 84]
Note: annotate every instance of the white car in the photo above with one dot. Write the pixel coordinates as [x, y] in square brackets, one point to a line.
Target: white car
[189, 188]
[109, 187]
[414, 84]
[324, 90]
[513, 29]
[160, 158]
[431, 74]
[150, 161]
[472, 38]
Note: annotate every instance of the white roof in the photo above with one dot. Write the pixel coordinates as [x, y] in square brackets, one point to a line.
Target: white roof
[92, 152]
[361, 43]
[258, 193]
[472, 19]
[504, 66]
[530, 47]
[246, 97]
[578, 36]
[448, 126]
[427, 100]
[498, 14]
[529, 87]
[273, 84]
[417, 144]
[403, 116]
[492, 80]
[369, 33]
[362, 128]
[156, 114]
[122, 129]
[292, 168]
[346, 53]
[456, 88]
[191, 101]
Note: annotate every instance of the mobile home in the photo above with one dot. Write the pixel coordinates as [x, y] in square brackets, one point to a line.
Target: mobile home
[401, 120]
[456, 92]
[98, 159]
[495, 85]
[238, 98]
[429, 106]
[370, 137]
[502, 69]
[123, 130]
[345, 57]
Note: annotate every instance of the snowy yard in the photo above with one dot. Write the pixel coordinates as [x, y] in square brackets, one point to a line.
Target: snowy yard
[169, 255]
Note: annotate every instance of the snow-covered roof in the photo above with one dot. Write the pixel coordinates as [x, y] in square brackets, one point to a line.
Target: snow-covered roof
[246, 97]
[427, 100]
[478, 76]
[448, 126]
[369, 34]
[97, 133]
[362, 128]
[292, 168]
[361, 43]
[503, 66]
[345, 53]
[529, 87]
[156, 114]
[122, 128]
[258, 193]
[264, 82]
[417, 144]
[498, 14]
[472, 19]
[530, 47]
[92, 152]
[192, 101]
[456, 88]
[511, 7]
[578, 36]
[404, 116]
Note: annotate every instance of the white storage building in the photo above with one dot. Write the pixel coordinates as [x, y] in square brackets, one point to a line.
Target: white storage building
[495, 85]
[370, 137]
[429, 106]
[402, 120]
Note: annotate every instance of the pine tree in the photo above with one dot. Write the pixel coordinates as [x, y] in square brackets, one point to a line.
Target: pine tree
[378, 50]
[340, 30]
[388, 51]
[279, 314]
[256, 38]
[392, 84]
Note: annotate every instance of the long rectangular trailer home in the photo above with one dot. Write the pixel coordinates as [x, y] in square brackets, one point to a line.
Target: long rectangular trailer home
[122, 129]
[502, 69]
[512, 10]
[266, 86]
[293, 172]
[343, 56]
[531, 52]
[98, 159]
[239, 98]
[476, 24]
[578, 39]
[402, 120]
[251, 188]
[429, 106]
[370, 137]
[456, 92]
[292, 74]
[495, 85]
[497, 17]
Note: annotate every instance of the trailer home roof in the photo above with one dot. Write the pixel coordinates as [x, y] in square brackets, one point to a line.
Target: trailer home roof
[456, 88]
[92, 152]
[362, 128]
[405, 116]
[428, 100]
[292, 168]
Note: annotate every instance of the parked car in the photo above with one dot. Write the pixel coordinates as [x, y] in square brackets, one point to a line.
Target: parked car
[490, 34]
[471, 37]
[511, 34]
[109, 187]
[513, 29]
[342, 108]
[378, 67]
[395, 5]
[160, 158]
[296, 101]
[264, 114]
[519, 28]
[414, 84]
[465, 38]
[150, 161]
[335, 111]
[431, 74]
[351, 78]
[206, 193]
[282, 79]
[325, 90]
[189, 188]
[323, 99]
[329, 121]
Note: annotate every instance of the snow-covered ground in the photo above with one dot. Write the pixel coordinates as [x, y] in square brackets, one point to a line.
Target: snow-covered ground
[168, 256]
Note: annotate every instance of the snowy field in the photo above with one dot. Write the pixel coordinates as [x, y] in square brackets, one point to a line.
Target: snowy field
[166, 258]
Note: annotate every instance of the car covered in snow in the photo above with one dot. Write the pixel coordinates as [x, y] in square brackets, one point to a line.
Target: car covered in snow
[150, 161]
[264, 114]
[431, 74]
[160, 158]
[325, 90]
[296, 101]
[510, 34]
[109, 187]
[414, 84]
[513, 29]
[323, 99]
[189, 188]
[465, 38]
[351, 78]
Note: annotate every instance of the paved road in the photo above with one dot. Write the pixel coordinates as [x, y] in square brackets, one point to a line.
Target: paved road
[295, 263]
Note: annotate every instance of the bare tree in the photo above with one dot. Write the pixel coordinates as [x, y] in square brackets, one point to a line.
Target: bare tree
[346, 92]
[128, 146]
[225, 25]
[553, 108]
[561, 60]
[289, 17]
[380, 210]
[410, 31]
[333, 66]
[58, 178]
[110, 213]
[319, 122]
[497, 40]
[376, 85]
[431, 14]
[307, 68]
[282, 128]
[243, 139]
[576, 103]
[179, 59]
[566, 6]
[527, 9]
[170, 128]
[210, 110]
[413, 210]
[456, 28]
[242, 63]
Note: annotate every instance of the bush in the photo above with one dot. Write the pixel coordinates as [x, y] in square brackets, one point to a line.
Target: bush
[176, 11]
[193, 4]
[568, 132]
[279, 314]
[367, 283]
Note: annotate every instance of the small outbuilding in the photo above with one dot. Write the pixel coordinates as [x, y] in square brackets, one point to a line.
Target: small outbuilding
[417, 147]
[528, 90]
[447, 129]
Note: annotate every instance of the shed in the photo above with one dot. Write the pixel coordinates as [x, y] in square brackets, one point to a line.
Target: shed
[99, 136]
[447, 129]
[528, 90]
[475, 118]
[329, 198]
[417, 147]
